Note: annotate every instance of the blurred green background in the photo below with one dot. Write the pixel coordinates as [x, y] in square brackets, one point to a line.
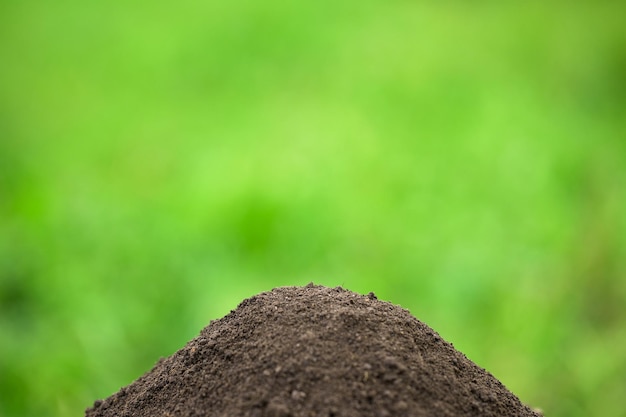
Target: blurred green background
[161, 161]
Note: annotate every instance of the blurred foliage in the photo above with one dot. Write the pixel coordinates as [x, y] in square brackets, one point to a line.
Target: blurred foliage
[160, 162]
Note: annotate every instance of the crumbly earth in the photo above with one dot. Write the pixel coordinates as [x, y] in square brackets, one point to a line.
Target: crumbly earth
[315, 352]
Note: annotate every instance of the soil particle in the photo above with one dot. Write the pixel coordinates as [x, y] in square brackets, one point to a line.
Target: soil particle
[315, 352]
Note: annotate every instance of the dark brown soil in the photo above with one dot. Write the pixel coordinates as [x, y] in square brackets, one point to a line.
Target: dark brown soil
[318, 352]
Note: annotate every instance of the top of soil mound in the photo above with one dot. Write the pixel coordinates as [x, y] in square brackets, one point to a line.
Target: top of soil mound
[315, 352]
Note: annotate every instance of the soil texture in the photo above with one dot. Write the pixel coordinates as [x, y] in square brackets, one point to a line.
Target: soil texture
[315, 352]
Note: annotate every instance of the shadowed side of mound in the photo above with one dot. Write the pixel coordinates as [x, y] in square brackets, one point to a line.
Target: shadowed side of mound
[315, 351]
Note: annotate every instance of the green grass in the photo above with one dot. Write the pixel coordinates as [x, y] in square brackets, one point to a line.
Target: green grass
[160, 162]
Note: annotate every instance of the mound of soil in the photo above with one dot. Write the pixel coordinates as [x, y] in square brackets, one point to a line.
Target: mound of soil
[315, 352]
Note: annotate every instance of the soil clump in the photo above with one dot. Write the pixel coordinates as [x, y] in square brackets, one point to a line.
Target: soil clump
[315, 352]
